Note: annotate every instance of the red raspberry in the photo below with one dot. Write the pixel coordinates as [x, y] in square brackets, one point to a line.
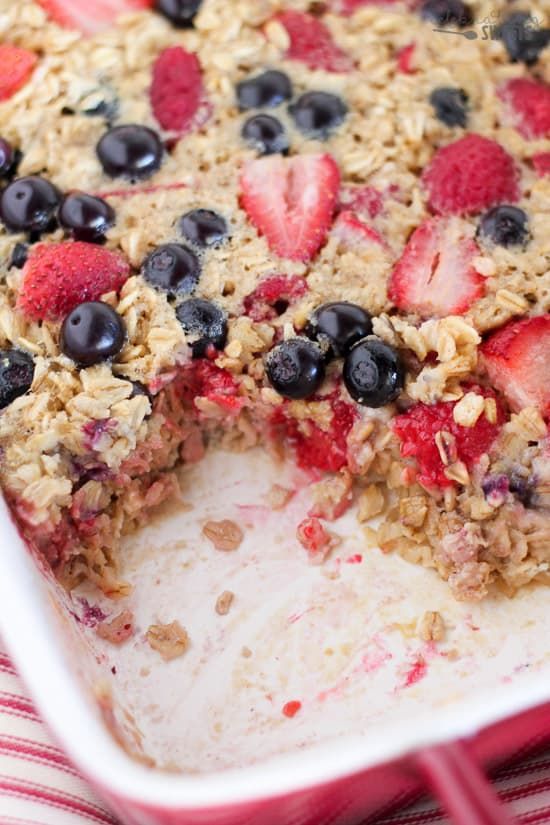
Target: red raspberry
[361, 199]
[59, 276]
[469, 176]
[417, 429]
[177, 91]
[315, 539]
[272, 296]
[528, 104]
[316, 448]
[203, 379]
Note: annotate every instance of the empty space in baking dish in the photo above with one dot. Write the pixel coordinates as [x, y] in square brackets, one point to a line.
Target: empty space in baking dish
[339, 641]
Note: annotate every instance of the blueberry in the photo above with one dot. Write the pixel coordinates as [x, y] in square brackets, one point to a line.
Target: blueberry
[140, 389]
[373, 373]
[19, 256]
[204, 323]
[268, 89]
[266, 134]
[86, 217]
[172, 268]
[130, 151]
[91, 333]
[316, 114]
[16, 375]
[523, 489]
[522, 38]
[444, 12]
[7, 158]
[29, 205]
[180, 13]
[339, 324]
[296, 368]
[505, 226]
[203, 227]
[450, 105]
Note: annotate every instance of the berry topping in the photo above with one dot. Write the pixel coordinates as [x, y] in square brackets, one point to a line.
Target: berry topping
[312, 43]
[470, 175]
[16, 375]
[541, 163]
[180, 13]
[92, 16]
[316, 448]
[516, 358]
[130, 151]
[296, 368]
[59, 276]
[429, 431]
[266, 135]
[172, 268]
[354, 233]
[204, 323]
[373, 373]
[91, 333]
[17, 66]
[405, 59]
[363, 199]
[203, 227]
[177, 92]
[273, 296]
[523, 38]
[86, 217]
[19, 256]
[268, 89]
[505, 226]
[450, 105]
[340, 325]
[316, 114]
[528, 104]
[291, 201]
[435, 275]
[7, 158]
[447, 12]
[29, 205]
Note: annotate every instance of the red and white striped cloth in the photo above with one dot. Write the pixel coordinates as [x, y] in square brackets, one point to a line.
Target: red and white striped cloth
[39, 786]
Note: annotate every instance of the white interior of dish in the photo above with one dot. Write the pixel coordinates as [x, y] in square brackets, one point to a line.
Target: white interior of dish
[339, 638]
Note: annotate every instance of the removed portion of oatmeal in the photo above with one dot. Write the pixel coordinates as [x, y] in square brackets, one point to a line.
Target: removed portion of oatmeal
[322, 228]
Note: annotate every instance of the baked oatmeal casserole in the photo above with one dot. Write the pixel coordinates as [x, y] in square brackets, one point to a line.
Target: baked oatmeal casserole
[322, 227]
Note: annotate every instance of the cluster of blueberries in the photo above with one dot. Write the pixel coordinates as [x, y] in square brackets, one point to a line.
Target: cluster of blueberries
[372, 370]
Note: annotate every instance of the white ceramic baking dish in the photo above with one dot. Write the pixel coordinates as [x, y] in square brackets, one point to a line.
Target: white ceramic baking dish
[381, 710]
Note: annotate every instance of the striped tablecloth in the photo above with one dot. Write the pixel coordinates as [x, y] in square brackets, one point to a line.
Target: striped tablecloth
[38, 785]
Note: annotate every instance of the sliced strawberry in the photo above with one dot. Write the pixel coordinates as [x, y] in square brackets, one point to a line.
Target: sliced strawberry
[312, 43]
[417, 430]
[405, 57]
[470, 175]
[435, 275]
[528, 105]
[291, 201]
[273, 295]
[178, 97]
[361, 199]
[59, 276]
[354, 233]
[91, 16]
[541, 163]
[16, 66]
[517, 360]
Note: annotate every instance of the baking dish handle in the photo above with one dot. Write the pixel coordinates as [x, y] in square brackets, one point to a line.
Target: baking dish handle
[458, 782]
